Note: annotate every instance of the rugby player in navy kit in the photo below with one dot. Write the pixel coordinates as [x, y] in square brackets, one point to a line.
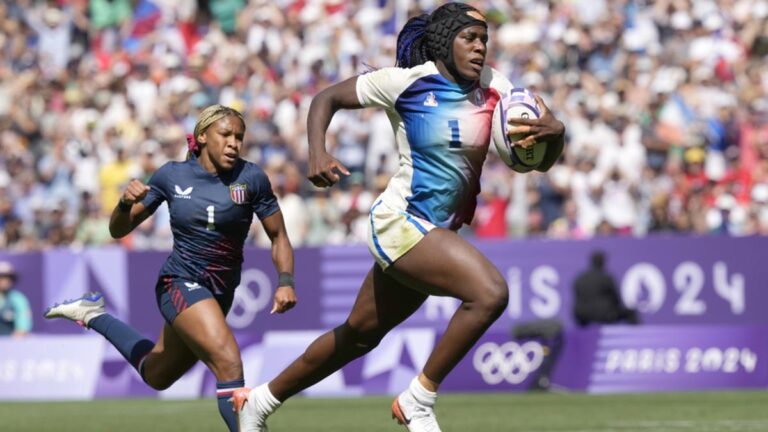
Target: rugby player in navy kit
[212, 197]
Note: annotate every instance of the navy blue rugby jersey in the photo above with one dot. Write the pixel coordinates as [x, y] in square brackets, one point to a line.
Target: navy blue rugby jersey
[210, 218]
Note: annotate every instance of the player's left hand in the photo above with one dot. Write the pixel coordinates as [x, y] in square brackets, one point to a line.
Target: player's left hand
[285, 300]
[537, 130]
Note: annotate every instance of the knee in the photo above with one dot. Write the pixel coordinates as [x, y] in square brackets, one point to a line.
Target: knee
[159, 381]
[359, 338]
[161, 384]
[493, 297]
[226, 363]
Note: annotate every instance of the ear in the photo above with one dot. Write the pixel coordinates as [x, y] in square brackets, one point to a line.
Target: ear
[201, 138]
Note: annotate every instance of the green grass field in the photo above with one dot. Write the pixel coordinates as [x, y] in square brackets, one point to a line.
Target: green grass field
[700, 412]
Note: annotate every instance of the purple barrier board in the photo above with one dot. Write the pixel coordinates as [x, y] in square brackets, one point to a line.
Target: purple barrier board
[498, 364]
[616, 359]
[700, 301]
[671, 280]
[50, 367]
[599, 360]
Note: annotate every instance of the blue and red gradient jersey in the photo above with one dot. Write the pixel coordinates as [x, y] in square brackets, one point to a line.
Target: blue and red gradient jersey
[210, 218]
[442, 130]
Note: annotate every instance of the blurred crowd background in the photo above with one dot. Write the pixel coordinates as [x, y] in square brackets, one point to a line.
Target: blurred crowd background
[665, 103]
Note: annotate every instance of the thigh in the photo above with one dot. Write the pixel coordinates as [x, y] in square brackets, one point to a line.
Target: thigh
[204, 330]
[443, 263]
[170, 358]
[383, 302]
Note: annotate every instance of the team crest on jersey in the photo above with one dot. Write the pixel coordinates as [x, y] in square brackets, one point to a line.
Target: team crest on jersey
[239, 193]
[431, 100]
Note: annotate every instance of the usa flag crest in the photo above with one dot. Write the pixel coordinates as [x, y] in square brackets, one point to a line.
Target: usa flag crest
[238, 192]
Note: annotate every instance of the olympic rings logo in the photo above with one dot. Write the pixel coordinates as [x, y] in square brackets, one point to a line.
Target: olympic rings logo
[246, 304]
[509, 362]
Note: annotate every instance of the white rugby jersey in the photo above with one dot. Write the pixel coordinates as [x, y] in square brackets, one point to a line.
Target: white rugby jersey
[442, 131]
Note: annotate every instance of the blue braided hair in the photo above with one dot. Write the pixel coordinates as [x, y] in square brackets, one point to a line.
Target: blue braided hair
[411, 43]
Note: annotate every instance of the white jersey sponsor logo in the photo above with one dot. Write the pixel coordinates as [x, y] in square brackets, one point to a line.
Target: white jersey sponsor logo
[183, 193]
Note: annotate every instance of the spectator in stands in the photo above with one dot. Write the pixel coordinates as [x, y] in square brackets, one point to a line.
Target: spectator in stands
[672, 94]
[596, 297]
[15, 314]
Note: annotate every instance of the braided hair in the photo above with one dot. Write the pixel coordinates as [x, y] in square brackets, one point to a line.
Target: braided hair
[411, 43]
[430, 37]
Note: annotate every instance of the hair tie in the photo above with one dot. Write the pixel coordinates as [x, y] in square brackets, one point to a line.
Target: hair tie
[192, 144]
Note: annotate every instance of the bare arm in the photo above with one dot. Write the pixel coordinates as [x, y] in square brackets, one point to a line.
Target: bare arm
[282, 257]
[322, 166]
[130, 212]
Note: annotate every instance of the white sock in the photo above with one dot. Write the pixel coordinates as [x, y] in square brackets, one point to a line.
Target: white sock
[422, 395]
[265, 400]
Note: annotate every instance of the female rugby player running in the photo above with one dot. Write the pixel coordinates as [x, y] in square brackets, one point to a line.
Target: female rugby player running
[212, 197]
[440, 102]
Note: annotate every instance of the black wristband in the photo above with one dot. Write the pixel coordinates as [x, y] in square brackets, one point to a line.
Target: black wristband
[285, 279]
[124, 207]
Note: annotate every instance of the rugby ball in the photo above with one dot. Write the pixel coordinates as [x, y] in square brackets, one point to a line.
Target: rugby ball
[518, 103]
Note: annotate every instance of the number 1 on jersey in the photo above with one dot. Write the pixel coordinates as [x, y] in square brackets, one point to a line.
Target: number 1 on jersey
[210, 226]
[455, 141]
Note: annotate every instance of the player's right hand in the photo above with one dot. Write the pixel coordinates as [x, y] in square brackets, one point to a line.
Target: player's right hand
[134, 192]
[324, 169]
[536, 130]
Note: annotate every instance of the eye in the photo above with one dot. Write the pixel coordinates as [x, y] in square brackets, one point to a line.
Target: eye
[472, 37]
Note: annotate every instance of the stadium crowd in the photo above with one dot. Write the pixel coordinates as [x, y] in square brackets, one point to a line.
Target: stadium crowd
[665, 103]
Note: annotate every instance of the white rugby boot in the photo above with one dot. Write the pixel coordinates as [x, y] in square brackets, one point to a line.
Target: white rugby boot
[416, 412]
[80, 310]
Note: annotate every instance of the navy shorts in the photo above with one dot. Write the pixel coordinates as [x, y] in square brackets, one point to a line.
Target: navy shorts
[174, 295]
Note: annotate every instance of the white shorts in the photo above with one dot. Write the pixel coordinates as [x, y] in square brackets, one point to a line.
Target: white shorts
[392, 233]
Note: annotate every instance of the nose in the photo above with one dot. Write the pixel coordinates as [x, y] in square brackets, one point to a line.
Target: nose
[480, 46]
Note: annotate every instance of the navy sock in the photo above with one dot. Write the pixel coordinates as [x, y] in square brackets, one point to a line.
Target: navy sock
[133, 346]
[224, 392]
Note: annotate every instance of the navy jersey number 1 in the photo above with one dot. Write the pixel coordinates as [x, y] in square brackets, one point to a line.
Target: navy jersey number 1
[455, 141]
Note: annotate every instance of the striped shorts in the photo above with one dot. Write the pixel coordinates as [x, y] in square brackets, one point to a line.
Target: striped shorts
[392, 233]
[174, 295]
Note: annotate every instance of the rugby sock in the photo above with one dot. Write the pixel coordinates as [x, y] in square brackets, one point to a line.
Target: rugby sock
[422, 395]
[224, 392]
[133, 346]
[265, 400]
[266, 403]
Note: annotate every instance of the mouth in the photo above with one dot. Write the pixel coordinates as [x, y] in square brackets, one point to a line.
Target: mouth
[229, 158]
[477, 64]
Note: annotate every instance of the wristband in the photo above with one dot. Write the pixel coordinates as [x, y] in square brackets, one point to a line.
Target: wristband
[124, 207]
[285, 279]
